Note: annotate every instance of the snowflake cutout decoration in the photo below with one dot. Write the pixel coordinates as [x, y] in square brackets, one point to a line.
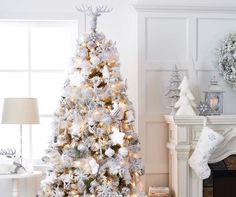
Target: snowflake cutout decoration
[104, 190]
[203, 109]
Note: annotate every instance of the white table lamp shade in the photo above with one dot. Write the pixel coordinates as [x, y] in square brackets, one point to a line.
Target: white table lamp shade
[20, 111]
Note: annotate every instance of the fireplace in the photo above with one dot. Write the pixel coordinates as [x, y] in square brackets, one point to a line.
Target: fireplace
[222, 182]
[184, 132]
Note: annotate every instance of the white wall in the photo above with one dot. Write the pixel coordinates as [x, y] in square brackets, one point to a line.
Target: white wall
[172, 33]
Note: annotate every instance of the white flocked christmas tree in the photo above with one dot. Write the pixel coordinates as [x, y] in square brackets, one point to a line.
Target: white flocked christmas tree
[93, 151]
[185, 104]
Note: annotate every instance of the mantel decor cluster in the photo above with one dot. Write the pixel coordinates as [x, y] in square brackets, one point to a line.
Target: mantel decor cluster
[184, 133]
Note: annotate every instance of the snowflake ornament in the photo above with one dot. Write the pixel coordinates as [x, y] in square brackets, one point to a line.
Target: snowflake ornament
[136, 166]
[104, 191]
[80, 176]
[114, 167]
[92, 37]
[203, 108]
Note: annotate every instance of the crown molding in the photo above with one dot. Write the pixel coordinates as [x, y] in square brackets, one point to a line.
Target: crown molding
[186, 7]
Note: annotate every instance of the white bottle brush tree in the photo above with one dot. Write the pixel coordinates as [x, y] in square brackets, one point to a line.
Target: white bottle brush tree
[93, 151]
[185, 104]
[173, 89]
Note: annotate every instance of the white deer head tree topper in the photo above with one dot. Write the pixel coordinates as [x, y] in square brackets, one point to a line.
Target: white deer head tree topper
[94, 13]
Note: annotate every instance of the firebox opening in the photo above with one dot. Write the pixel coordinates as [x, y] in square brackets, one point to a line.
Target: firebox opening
[224, 183]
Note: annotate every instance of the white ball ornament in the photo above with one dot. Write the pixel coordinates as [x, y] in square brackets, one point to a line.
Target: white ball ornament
[82, 148]
[107, 120]
[123, 151]
[97, 116]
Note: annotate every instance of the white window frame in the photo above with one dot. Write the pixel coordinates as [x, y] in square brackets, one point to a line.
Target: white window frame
[37, 23]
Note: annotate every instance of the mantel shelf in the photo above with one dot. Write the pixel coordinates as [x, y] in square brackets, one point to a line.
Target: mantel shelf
[198, 120]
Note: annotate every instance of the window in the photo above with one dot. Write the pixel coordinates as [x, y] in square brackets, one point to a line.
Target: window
[34, 56]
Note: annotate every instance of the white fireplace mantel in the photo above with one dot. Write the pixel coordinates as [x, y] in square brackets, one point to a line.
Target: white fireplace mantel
[184, 132]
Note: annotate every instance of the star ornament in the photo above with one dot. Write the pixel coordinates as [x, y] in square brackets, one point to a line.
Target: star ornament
[117, 137]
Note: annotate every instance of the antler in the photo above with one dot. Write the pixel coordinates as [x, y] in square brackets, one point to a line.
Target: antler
[103, 9]
[84, 9]
[94, 13]
[8, 152]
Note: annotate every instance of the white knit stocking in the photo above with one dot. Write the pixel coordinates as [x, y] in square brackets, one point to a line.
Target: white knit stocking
[207, 144]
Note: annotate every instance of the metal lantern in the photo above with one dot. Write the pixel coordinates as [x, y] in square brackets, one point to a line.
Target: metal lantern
[214, 98]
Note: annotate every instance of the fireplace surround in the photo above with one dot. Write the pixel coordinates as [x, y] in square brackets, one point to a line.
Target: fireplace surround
[184, 132]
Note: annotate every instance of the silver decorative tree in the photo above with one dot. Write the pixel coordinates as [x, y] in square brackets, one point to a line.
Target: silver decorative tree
[172, 90]
[93, 151]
